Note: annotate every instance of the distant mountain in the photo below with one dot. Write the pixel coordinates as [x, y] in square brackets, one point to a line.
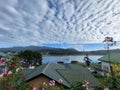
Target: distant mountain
[103, 52]
[43, 50]
[56, 51]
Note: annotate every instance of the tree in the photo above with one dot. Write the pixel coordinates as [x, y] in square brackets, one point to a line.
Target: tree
[38, 58]
[110, 42]
[31, 58]
[112, 82]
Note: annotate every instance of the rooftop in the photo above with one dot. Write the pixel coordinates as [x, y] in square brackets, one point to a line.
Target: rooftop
[3, 54]
[114, 57]
[69, 73]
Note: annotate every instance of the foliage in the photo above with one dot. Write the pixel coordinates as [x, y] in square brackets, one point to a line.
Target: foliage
[10, 79]
[77, 86]
[116, 69]
[100, 77]
[31, 57]
[51, 85]
[113, 82]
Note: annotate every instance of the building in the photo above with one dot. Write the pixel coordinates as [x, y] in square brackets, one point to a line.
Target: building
[106, 63]
[69, 73]
[2, 55]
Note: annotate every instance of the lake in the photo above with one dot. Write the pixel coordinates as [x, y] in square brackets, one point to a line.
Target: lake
[69, 58]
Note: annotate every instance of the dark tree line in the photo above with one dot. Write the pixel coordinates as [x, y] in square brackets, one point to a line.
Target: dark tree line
[30, 58]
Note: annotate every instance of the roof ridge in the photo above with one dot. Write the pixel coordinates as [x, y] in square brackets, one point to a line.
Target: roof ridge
[46, 67]
[62, 75]
[30, 70]
[67, 66]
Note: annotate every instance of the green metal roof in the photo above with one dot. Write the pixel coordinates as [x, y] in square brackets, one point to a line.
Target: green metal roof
[3, 54]
[79, 76]
[31, 73]
[48, 70]
[114, 57]
[67, 72]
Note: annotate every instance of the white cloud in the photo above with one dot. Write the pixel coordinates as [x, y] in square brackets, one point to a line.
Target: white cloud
[25, 22]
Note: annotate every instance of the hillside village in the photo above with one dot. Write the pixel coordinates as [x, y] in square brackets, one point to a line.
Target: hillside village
[67, 73]
[59, 44]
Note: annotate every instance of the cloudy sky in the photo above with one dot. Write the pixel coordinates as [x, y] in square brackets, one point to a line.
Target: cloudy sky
[80, 24]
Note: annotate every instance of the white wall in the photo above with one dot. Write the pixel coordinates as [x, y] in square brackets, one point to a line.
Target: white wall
[105, 66]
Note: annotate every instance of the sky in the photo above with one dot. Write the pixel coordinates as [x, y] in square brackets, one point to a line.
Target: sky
[79, 24]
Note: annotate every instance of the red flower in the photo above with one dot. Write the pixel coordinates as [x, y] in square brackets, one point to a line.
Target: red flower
[2, 61]
[9, 87]
[11, 65]
[5, 74]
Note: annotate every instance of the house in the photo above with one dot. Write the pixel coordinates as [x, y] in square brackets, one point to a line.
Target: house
[2, 55]
[106, 63]
[68, 73]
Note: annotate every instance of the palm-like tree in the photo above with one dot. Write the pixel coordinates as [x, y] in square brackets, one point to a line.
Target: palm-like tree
[110, 42]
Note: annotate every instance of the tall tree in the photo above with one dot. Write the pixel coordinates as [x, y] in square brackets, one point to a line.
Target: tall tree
[31, 58]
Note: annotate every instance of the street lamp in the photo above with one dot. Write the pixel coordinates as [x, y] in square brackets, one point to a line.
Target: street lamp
[110, 42]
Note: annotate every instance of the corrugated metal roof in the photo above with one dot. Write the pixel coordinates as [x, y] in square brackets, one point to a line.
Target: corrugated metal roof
[3, 54]
[78, 76]
[31, 73]
[51, 72]
[114, 57]
[67, 72]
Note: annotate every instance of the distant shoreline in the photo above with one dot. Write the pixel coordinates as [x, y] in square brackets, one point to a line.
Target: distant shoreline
[74, 55]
